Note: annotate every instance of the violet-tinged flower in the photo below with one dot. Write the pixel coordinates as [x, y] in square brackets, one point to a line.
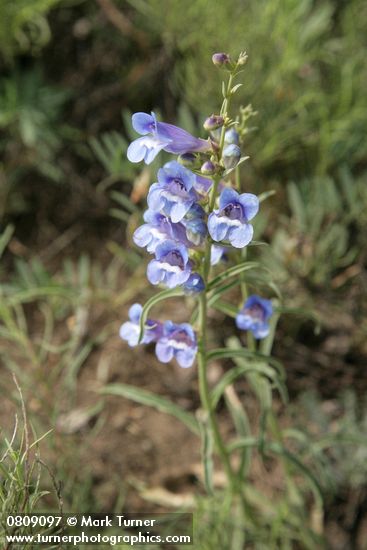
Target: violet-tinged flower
[194, 222]
[194, 284]
[255, 315]
[213, 122]
[231, 155]
[202, 185]
[220, 59]
[230, 221]
[208, 168]
[174, 194]
[217, 253]
[158, 136]
[171, 266]
[157, 230]
[130, 330]
[178, 341]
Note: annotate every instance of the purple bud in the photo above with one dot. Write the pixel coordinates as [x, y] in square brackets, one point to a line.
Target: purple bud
[231, 156]
[208, 168]
[220, 59]
[213, 122]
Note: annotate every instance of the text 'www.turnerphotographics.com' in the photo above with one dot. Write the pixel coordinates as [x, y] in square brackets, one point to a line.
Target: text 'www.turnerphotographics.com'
[98, 529]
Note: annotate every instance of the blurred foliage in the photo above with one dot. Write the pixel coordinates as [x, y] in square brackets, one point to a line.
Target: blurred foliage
[24, 26]
[325, 232]
[307, 73]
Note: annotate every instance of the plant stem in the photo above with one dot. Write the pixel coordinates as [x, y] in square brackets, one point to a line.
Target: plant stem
[203, 315]
[204, 387]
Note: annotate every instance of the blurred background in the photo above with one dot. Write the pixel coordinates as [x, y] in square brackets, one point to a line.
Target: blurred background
[72, 72]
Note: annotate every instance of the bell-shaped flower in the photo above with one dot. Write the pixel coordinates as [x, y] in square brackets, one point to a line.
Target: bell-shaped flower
[231, 221]
[130, 330]
[255, 315]
[194, 284]
[179, 342]
[171, 265]
[195, 225]
[174, 194]
[160, 135]
[157, 230]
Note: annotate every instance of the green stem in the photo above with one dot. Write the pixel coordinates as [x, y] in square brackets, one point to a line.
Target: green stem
[203, 307]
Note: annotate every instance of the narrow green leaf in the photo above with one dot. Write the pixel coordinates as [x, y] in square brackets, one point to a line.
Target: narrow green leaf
[266, 194]
[161, 404]
[153, 301]
[230, 376]
[226, 308]
[235, 88]
[232, 272]
[5, 237]
[243, 442]
[225, 353]
[206, 449]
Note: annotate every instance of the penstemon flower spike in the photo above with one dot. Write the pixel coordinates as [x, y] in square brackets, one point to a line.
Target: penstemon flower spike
[195, 218]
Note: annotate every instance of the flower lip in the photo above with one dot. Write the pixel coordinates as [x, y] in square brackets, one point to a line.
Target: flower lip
[174, 258]
[233, 211]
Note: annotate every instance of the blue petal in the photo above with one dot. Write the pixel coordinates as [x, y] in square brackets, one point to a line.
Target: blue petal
[217, 227]
[243, 321]
[155, 200]
[136, 150]
[129, 332]
[164, 248]
[143, 235]
[250, 204]
[185, 358]
[155, 273]
[261, 330]
[163, 351]
[178, 210]
[135, 313]
[176, 279]
[194, 283]
[227, 196]
[265, 304]
[241, 236]
[142, 123]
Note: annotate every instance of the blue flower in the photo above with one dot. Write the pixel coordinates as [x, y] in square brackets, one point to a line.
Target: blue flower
[173, 195]
[255, 316]
[178, 341]
[230, 221]
[130, 330]
[231, 155]
[158, 136]
[194, 284]
[171, 266]
[194, 223]
[158, 229]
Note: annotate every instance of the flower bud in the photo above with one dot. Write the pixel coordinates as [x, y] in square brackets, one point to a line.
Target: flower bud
[221, 59]
[231, 156]
[208, 168]
[213, 123]
[189, 160]
[242, 58]
[231, 136]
